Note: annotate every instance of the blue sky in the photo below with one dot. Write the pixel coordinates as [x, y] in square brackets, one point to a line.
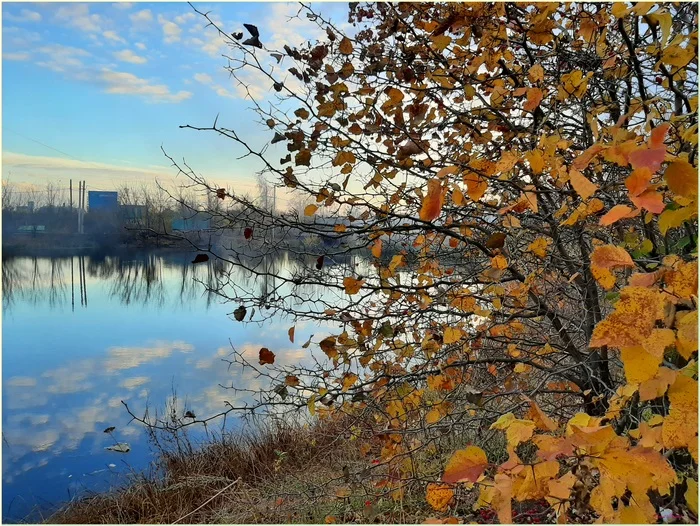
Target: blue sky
[90, 91]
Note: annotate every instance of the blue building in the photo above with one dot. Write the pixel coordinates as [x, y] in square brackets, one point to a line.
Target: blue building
[102, 200]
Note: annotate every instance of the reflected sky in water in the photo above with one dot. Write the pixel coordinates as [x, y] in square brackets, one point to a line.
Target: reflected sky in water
[81, 334]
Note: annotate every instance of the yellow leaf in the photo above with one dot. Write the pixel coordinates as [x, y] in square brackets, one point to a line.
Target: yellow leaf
[310, 210]
[432, 416]
[348, 381]
[439, 496]
[451, 335]
[476, 186]
[499, 262]
[536, 161]
[691, 495]
[639, 364]
[680, 427]
[682, 179]
[311, 405]
[539, 247]
[675, 218]
[687, 333]
[541, 420]
[352, 285]
[465, 465]
[517, 430]
[633, 320]
[608, 257]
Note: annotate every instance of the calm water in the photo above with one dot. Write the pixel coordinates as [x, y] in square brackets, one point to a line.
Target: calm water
[81, 334]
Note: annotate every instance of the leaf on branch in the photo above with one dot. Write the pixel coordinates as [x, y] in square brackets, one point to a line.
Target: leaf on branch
[616, 213]
[352, 285]
[290, 333]
[682, 179]
[433, 201]
[266, 356]
[465, 465]
[310, 210]
[581, 184]
[345, 46]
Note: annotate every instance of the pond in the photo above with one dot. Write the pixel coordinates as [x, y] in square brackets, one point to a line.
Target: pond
[82, 334]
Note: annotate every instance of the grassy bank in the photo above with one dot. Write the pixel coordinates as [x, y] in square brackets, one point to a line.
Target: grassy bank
[279, 474]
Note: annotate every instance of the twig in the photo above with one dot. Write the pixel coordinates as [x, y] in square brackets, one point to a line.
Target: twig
[208, 501]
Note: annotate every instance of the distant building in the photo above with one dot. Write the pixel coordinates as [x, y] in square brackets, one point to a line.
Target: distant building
[134, 213]
[102, 200]
[197, 222]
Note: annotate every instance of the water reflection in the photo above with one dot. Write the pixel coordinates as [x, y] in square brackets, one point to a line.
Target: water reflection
[82, 334]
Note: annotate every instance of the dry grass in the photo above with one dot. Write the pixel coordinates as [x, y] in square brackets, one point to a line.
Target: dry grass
[283, 473]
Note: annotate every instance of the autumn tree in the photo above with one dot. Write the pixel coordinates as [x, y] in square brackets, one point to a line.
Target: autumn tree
[522, 179]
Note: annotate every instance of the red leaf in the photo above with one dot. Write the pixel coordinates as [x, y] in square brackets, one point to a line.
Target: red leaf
[248, 233]
[266, 356]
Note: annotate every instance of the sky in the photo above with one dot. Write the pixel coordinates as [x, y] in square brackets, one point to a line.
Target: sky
[91, 91]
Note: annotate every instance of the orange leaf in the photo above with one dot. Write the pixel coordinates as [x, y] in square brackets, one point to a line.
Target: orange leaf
[466, 465]
[658, 135]
[581, 184]
[616, 213]
[310, 210]
[649, 200]
[290, 332]
[439, 496]
[352, 285]
[377, 248]
[638, 181]
[534, 97]
[432, 203]
[266, 356]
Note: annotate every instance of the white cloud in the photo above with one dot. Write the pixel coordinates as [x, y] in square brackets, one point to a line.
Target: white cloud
[21, 381]
[171, 31]
[78, 15]
[142, 17]
[140, 45]
[34, 167]
[25, 16]
[183, 19]
[16, 56]
[61, 58]
[133, 383]
[112, 35]
[18, 37]
[129, 56]
[203, 78]
[121, 83]
[123, 5]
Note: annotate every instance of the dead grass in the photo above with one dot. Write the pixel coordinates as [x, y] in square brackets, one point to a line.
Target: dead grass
[282, 473]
